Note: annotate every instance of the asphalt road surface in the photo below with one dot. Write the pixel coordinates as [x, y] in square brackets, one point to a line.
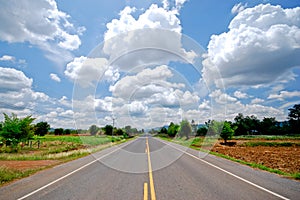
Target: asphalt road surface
[149, 168]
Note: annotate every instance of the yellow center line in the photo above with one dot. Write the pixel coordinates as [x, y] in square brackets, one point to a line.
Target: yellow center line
[145, 191]
[152, 190]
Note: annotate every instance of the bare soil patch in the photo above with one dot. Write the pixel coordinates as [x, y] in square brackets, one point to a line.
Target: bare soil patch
[286, 159]
[28, 164]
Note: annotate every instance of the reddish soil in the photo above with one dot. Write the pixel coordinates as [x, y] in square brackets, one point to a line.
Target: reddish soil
[25, 165]
[286, 159]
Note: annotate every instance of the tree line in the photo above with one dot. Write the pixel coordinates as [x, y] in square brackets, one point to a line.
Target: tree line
[14, 130]
[127, 131]
[242, 125]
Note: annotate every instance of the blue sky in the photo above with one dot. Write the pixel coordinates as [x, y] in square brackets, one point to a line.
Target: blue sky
[72, 64]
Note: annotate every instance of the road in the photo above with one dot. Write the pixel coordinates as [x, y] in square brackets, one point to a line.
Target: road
[149, 168]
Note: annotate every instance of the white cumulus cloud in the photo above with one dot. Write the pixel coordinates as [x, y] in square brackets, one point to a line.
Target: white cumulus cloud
[240, 95]
[54, 77]
[153, 37]
[87, 71]
[257, 101]
[7, 58]
[222, 98]
[284, 95]
[16, 92]
[40, 23]
[261, 46]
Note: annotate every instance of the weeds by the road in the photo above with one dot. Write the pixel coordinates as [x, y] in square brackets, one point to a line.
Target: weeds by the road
[59, 148]
[7, 175]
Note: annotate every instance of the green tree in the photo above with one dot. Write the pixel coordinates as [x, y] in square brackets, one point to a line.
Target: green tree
[268, 126]
[15, 130]
[67, 132]
[215, 127]
[108, 130]
[202, 131]
[163, 130]
[58, 131]
[246, 125]
[227, 132]
[119, 131]
[173, 129]
[93, 129]
[294, 118]
[128, 129]
[185, 128]
[239, 121]
[41, 128]
[252, 124]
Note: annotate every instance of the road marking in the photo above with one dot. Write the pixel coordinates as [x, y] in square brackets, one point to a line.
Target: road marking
[152, 190]
[145, 191]
[227, 172]
[72, 172]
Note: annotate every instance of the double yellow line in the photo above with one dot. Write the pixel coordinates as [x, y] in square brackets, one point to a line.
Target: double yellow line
[152, 190]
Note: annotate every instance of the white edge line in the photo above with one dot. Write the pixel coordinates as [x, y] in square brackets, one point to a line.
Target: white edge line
[227, 172]
[72, 172]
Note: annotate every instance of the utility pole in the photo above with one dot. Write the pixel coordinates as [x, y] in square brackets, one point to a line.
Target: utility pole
[113, 122]
[113, 125]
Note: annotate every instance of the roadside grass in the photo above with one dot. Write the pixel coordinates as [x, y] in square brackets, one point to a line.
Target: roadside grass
[198, 144]
[61, 148]
[84, 140]
[7, 175]
[194, 142]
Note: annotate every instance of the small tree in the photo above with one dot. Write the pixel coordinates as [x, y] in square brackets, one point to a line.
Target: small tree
[15, 130]
[119, 131]
[215, 127]
[67, 132]
[227, 132]
[163, 130]
[41, 128]
[58, 131]
[202, 131]
[173, 129]
[108, 130]
[128, 129]
[185, 128]
[93, 130]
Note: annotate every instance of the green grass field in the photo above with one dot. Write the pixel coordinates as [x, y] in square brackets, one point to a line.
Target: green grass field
[57, 147]
[50, 147]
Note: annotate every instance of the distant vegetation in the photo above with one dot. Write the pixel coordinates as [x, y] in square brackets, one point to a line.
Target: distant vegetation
[241, 126]
[15, 132]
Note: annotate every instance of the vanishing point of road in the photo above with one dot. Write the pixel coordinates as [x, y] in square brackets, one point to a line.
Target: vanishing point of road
[150, 168]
